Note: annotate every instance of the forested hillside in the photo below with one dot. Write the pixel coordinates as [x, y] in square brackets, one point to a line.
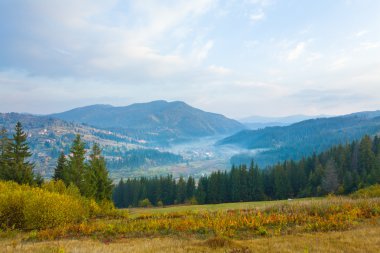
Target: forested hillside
[340, 170]
[158, 121]
[303, 138]
[47, 137]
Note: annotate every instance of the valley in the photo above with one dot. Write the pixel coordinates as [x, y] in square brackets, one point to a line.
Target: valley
[160, 148]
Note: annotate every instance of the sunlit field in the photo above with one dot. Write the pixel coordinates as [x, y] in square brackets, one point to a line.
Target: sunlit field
[331, 224]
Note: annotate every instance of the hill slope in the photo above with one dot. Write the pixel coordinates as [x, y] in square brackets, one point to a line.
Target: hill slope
[158, 120]
[47, 137]
[303, 138]
[257, 122]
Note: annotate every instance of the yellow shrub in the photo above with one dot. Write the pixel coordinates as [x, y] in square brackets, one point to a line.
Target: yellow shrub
[369, 192]
[48, 209]
[27, 207]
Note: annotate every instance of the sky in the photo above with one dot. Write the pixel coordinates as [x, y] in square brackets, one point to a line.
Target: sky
[237, 58]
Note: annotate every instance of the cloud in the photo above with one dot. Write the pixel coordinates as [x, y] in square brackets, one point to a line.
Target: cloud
[339, 63]
[96, 41]
[206, 52]
[361, 33]
[261, 2]
[219, 70]
[297, 51]
[369, 45]
[257, 16]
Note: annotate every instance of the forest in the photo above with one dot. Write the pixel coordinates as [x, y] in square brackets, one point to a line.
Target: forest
[341, 169]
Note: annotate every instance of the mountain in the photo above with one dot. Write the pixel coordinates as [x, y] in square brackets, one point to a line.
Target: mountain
[303, 138]
[257, 122]
[47, 137]
[154, 121]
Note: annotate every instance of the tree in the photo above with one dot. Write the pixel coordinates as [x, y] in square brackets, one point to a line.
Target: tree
[190, 188]
[4, 143]
[98, 183]
[330, 178]
[200, 193]
[181, 190]
[76, 165]
[255, 183]
[60, 172]
[17, 152]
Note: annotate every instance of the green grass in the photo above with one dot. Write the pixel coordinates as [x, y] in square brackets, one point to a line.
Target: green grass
[135, 212]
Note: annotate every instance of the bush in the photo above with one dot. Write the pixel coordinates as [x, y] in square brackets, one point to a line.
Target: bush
[369, 192]
[160, 203]
[26, 207]
[145, 203]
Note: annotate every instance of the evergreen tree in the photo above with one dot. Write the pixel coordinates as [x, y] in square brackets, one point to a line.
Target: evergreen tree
[281, 183]
[17, 153]
[4, 144]
[60, 172]
[190, 188]
[76, 164]
[181, 191]
[330, 178]
[98, 183]
[200, 193]
[256, 186]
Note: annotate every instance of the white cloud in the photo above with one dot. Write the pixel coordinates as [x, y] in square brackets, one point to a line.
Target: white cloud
[361, 33]
[339, 63]
[369, 45]
[219, 70]
[261, 2]
[297, 51]
[257, 16]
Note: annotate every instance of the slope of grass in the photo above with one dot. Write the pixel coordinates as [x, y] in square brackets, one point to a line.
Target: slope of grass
[332, 224]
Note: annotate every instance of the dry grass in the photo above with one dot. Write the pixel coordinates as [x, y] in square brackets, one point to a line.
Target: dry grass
[362, 239]
[135, 212]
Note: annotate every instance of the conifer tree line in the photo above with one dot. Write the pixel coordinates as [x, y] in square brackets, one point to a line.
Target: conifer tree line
[340, 170]
[90, 177]
[156, 191]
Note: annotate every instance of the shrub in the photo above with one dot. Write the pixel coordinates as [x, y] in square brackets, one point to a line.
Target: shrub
[369, 192]
[145, 203]
[27, 207]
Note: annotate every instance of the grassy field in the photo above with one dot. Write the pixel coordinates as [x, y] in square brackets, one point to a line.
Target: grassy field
[333, 224]
[135, 212]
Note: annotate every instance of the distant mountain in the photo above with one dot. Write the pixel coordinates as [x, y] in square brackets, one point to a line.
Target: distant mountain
[257, 122]
[47, 137]
[304, 138]
[157, 120]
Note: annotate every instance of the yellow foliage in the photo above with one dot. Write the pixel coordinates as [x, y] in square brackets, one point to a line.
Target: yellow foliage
[27, 207]
[369, 192]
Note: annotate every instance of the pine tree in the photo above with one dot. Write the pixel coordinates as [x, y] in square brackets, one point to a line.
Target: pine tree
[20, 169]
[60, 172]
[76, 164]
[4, 143]
[281, 183]
[98, 184]
[181, 190]
[255, 183]
[190, 188]
[200, 193]
[330, 181]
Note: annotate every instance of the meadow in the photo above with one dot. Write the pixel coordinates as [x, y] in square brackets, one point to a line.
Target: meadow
[330, 224]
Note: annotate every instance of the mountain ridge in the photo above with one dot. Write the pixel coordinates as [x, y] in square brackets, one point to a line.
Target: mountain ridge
[172, 120]
[305, 137]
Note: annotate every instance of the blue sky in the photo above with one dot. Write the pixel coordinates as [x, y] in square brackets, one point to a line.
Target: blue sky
[238, 58]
